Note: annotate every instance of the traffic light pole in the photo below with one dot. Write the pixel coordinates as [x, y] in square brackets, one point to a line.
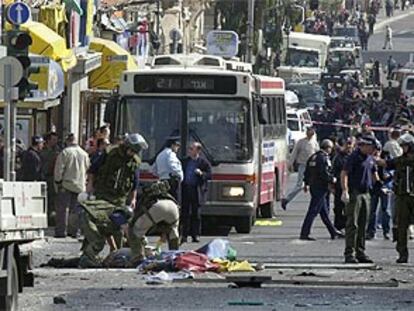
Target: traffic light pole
[9, 173]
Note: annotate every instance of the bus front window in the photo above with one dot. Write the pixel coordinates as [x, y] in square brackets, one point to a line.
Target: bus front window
[222, 127]
[154, 118]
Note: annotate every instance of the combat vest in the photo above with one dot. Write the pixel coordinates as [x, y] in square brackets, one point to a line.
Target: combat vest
[404, 175]
[99, 212]
[150, 195]
[115, 177]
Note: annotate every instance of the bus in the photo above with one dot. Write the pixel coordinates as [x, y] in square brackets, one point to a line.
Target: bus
[239, 119]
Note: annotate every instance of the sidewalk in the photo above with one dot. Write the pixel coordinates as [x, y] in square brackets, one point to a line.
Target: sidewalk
[383, 21]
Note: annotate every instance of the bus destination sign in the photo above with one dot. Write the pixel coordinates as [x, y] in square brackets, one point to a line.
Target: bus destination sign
[198, 84]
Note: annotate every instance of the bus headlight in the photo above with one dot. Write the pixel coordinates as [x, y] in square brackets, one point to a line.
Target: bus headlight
[232, 192]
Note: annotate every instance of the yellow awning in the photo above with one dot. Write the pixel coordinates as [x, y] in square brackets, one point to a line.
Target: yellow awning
[115, 60]
[48, 43]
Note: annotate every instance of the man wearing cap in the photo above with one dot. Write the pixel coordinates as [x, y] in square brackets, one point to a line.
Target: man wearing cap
[31, 161]
[303, 149]
[357, 178]
[167, 166]
[318, 177]
[70, 178]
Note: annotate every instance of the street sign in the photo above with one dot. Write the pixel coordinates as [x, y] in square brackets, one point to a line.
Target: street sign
[18, 13]
[222, 43]
[16, 70]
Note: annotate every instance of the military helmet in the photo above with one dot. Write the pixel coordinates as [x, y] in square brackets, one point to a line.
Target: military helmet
[136, 142]
[406, 139]
[327, 143]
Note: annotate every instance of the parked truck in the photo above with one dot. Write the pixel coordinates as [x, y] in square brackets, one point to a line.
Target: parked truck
[23, 217]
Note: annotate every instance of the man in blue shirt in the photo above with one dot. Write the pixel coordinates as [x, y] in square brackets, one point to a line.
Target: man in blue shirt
[357, 178]
[197, 172]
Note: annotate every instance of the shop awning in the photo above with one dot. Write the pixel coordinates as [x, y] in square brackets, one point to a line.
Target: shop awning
[115, 60]
[48, 43]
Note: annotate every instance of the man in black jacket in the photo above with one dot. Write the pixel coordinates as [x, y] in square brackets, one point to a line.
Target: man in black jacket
[197, 172]
[31, 161]
[318, 175]
[346, 148]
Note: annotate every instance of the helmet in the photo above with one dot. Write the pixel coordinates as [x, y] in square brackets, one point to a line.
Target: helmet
[327, 143]
[406, 139]
[136, 142]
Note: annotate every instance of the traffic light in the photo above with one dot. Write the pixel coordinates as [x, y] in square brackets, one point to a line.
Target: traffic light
[18, 43]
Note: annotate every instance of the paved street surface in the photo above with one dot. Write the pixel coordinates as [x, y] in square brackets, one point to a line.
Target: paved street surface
[126, 290]
[403, 38]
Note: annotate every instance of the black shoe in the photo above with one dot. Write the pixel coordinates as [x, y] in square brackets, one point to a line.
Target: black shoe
[337, 235]
[350, 259]
[307, 238]
[183, 240]
[284, 204]
[402, 259]
[364, 259]
[195, 239]
[386, 236]
[370, 237]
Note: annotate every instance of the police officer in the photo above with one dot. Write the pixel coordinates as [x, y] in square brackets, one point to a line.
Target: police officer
[104, 217]
[157, 211]
[357, 178]
[319, 177]
[404, 190]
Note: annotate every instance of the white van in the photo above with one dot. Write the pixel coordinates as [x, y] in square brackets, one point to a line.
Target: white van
[298, 120]
[407, 87]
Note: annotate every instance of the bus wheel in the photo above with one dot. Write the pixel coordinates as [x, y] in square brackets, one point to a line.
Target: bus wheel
[9, 303]
[244, 224]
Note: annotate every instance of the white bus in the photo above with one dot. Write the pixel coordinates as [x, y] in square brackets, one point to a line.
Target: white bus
[239, 119]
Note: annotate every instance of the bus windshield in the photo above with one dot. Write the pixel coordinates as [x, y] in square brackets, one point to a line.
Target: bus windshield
[303, 58]
[220, 125]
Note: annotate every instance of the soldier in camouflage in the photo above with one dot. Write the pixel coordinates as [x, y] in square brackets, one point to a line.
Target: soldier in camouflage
[404, 191]
[105, 217]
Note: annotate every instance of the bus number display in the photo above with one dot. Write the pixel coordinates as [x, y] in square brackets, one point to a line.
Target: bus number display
[185, 84]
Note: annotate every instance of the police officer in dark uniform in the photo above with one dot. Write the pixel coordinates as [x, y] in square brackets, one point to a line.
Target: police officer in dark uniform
[404, 191]
[346, 148]
[357, 178]
[319, 177]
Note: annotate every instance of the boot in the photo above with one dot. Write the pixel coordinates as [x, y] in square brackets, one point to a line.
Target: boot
[173, 244]
[87, 262]
[402, 259]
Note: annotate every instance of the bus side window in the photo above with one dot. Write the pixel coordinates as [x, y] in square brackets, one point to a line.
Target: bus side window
[263, 111]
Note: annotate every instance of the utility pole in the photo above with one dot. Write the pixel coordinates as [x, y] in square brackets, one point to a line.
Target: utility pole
[250, 30]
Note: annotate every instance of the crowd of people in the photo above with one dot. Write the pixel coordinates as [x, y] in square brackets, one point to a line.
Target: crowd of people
[94, 190]
[361, 173]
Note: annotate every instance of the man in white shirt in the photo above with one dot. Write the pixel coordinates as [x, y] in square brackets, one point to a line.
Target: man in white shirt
[388, 38]
[167, 166]
[392, 147]
[70, 178]
[303, 149]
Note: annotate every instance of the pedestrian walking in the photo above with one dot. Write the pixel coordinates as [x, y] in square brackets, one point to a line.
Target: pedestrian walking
[167, 166]
[31, 161]
[357, 178]
[388, 38]
[49, 155]
[318, 179]
[302, 150]
[197, 172]
[371, 23]
[345, 149]
[404, 191]
[104, 219]
[70, 179]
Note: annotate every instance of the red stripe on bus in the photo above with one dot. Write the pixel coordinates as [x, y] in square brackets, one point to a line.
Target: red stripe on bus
[232, 177]
[271, 85]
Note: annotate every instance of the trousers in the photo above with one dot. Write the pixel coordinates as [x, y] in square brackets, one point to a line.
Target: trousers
[356, 211]
[299, 183]
[383, 199]
[163, 213]
[190, 212]
[404, 205]
[339, 210]
[318, 206]
[67, 200]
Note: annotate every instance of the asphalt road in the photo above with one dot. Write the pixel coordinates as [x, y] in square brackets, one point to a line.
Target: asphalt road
[126, 290]
[403, 39]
